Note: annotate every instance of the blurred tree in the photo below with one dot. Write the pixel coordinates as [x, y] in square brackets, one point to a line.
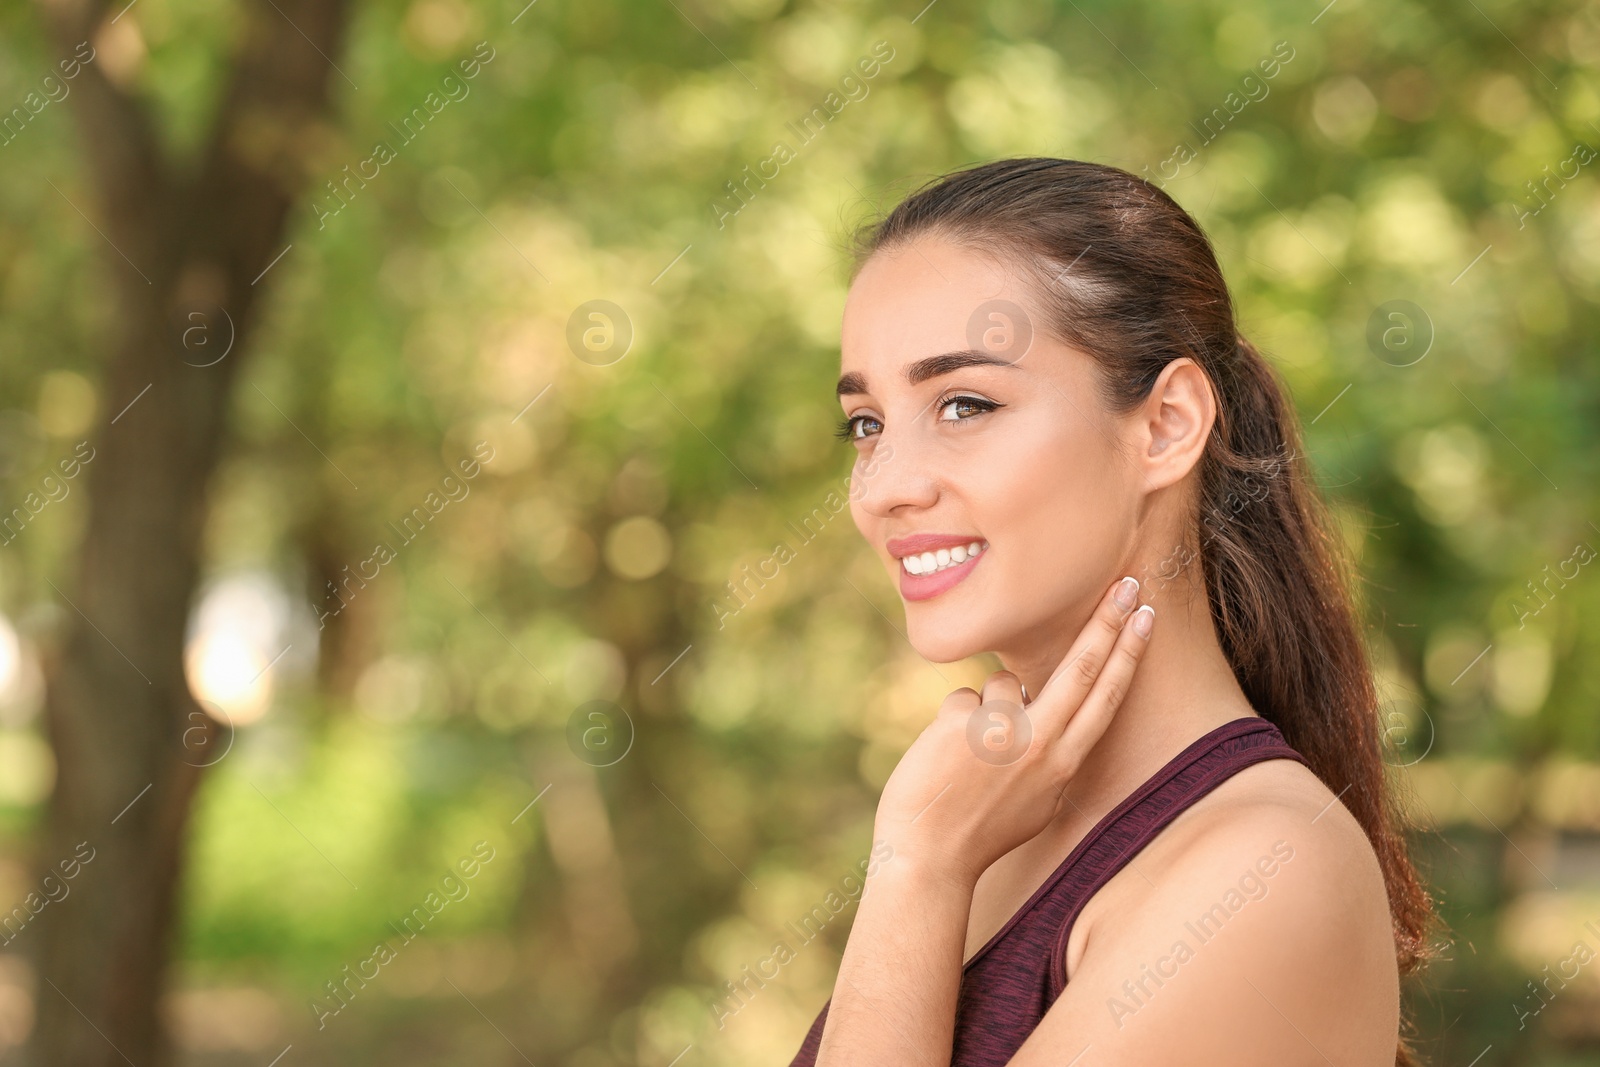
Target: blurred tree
[1391, 158]
[186, 247]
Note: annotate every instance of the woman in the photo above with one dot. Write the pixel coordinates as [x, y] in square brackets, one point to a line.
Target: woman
[1181, 849]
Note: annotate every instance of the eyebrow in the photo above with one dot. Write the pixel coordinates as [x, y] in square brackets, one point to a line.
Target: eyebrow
[932, 367]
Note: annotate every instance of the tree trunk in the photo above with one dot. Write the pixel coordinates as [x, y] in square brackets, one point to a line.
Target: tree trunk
[130, 741]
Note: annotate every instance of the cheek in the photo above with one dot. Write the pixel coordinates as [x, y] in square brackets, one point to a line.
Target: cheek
[1060, 510]
[859, 514]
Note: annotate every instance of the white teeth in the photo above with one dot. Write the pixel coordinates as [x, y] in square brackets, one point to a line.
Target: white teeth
[929, 562]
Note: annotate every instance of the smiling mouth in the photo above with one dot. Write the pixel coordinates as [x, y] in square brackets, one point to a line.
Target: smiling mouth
[926, 563]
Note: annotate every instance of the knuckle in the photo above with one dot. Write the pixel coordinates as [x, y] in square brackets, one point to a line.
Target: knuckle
[1085, 669]
[962, 700]
[999, 685]
[1066, 769]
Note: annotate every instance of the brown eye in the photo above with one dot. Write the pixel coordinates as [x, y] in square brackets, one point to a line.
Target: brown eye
[857, 427]
[959, 408]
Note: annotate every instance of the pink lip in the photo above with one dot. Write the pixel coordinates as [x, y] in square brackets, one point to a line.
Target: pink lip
[900, 547]
[927, 586]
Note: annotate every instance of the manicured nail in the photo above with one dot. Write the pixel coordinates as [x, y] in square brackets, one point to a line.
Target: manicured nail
[1127, 591]
[1144, 620]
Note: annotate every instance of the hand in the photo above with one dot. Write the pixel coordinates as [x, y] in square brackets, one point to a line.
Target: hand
[987, 774]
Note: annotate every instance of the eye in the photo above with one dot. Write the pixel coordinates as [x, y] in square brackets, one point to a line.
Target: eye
[856, 427]
[960, 408]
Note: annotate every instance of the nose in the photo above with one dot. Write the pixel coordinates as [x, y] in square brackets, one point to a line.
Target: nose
[895, 474]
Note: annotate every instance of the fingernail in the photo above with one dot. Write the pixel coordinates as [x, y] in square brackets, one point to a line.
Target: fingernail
[1127, 591]
[1144, 620]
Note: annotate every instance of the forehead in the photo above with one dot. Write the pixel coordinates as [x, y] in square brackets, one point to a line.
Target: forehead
[927, 295]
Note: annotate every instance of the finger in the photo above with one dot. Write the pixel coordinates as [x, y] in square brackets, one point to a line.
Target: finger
[999, 732]
[1075, 675]
[961, 701]
[1003, 685]
[1094, 715]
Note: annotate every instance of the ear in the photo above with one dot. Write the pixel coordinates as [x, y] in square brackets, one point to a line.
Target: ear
[1174, 422]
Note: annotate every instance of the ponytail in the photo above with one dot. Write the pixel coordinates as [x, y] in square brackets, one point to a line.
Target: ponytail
[1277, 579]
[1128, 277]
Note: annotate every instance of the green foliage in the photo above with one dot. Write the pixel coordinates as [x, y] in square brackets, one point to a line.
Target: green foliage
[1387, 160]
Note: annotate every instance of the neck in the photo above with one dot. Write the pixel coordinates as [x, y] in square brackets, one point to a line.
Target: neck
[1182, 689]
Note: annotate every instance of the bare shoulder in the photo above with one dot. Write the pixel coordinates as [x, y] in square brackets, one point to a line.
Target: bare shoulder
[1263, 820]
[1274, 831]
[1278, 796]
[1321, 861]
[1254, 928]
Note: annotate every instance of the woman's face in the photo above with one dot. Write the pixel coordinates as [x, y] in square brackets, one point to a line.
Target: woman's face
[966, 439]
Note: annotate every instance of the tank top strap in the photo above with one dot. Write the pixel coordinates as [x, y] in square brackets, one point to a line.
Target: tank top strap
[1009, 984]
[1113, 842]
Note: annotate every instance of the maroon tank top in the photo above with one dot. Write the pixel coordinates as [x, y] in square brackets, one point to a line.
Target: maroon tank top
[1010, 983]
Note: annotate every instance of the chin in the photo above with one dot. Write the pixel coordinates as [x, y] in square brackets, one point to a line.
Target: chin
[952, 632]
[941, 641]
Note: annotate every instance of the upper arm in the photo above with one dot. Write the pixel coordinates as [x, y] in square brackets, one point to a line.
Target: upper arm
[1267, 941]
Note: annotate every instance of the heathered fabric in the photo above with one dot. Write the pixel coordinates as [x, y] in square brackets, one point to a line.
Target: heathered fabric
[1010, 983]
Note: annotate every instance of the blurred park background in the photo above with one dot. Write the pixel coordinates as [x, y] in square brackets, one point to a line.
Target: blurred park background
[409, 379]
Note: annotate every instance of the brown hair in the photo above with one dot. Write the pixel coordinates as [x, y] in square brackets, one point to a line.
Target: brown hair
[1129, 278]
